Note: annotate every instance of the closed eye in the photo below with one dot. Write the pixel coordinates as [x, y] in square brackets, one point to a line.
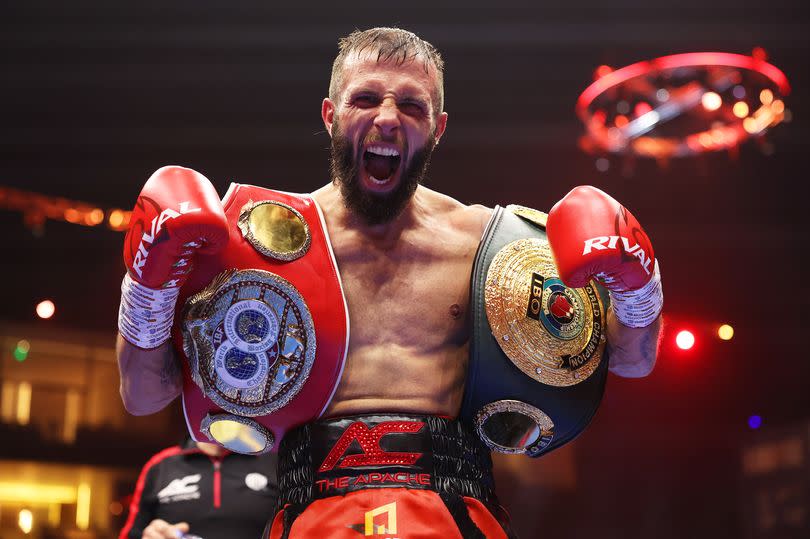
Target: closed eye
[365, 101]
[412, 108]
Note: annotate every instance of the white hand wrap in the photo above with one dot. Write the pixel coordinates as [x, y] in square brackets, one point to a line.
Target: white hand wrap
[145, 315]
[639, 308]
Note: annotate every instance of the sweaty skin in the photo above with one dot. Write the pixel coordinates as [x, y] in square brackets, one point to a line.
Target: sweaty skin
[406, 281]
[408, 293]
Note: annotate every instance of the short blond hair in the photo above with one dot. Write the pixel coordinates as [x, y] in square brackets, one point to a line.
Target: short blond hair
[389, 44]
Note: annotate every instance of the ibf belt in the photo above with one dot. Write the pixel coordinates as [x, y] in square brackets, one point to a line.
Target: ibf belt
[537, 366]
[336, 456]
[264, 325]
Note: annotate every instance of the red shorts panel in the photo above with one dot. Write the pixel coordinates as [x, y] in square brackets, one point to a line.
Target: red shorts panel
[385, 513]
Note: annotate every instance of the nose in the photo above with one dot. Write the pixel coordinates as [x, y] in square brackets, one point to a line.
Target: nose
[387, 119]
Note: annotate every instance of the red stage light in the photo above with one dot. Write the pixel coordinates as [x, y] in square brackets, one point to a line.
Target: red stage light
[685, 339]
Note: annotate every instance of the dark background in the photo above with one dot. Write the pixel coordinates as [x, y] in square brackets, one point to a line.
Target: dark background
[96, 95]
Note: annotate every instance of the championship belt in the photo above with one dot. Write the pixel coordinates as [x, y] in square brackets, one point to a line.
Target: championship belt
[263, 324]
[537, 366]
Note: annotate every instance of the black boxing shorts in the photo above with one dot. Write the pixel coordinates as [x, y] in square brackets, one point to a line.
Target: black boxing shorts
[386, 476]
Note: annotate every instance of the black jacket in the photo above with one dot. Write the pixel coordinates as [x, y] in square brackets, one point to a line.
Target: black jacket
[231, 497]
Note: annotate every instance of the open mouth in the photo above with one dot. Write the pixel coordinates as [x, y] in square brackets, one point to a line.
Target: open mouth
[381, 163]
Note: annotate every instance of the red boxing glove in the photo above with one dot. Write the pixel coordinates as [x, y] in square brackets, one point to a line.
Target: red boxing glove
[178, 213]
[593, 236]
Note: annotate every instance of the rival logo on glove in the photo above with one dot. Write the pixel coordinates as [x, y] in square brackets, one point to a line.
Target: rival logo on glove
[599, 242]
[157, 225]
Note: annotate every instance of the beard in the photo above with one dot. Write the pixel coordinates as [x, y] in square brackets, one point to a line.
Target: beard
[375, 208]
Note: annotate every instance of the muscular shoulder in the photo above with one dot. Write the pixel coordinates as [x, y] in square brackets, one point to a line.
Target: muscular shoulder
[471, 219]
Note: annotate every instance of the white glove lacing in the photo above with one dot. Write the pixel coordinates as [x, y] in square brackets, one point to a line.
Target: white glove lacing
[146, 314]
[639, 308]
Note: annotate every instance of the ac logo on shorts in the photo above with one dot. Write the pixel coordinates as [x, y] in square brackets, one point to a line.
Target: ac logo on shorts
[369, 440]
[388, 528]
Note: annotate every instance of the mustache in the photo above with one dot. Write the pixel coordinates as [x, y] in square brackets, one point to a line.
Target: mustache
[374, 208]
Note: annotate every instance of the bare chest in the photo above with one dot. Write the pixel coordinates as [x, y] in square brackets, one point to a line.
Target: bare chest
[415, 295]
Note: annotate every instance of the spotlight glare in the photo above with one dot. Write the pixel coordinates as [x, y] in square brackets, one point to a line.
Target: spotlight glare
[754, 422]
[711, 101]
[725, 332]
[25, 520]
[685, 340]
[45, 309]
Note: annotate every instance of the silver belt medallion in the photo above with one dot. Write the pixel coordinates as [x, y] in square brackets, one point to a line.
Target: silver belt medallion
[250, 340]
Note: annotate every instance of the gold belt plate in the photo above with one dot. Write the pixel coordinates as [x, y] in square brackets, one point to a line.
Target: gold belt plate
[554, 334]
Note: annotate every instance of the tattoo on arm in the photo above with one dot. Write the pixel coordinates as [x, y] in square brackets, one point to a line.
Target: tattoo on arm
[648, 346]
[170, 371]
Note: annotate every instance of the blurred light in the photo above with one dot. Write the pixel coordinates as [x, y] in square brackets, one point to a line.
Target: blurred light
[711, 101]
[705, 139]
[116, 218]
[21, 350]
[602, 164]
[83, 506]
[766, 96]
[740, 109]
[23, 403]
[71, 416]
[648, 120]
[750, 125]
[754, 422]
[662, 94]
[758, 53]
[45, 309]
[95, 217]
[738, 91]
[116, 508]
[72, 215]
[778, 106]
[622, 107]
[25, 521]
[685, 340]
[642, 107]
[54, 515]
[725, 332]
[601, 71]
[36, 493]
[621, 120]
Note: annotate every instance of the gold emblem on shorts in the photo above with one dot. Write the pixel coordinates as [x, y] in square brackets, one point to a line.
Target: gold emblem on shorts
[275, 229]
[552, 333]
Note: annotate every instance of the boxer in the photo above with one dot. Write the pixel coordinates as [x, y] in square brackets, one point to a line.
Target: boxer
[386, 455]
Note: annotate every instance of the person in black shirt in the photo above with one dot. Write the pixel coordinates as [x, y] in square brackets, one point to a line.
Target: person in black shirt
[202, 490]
